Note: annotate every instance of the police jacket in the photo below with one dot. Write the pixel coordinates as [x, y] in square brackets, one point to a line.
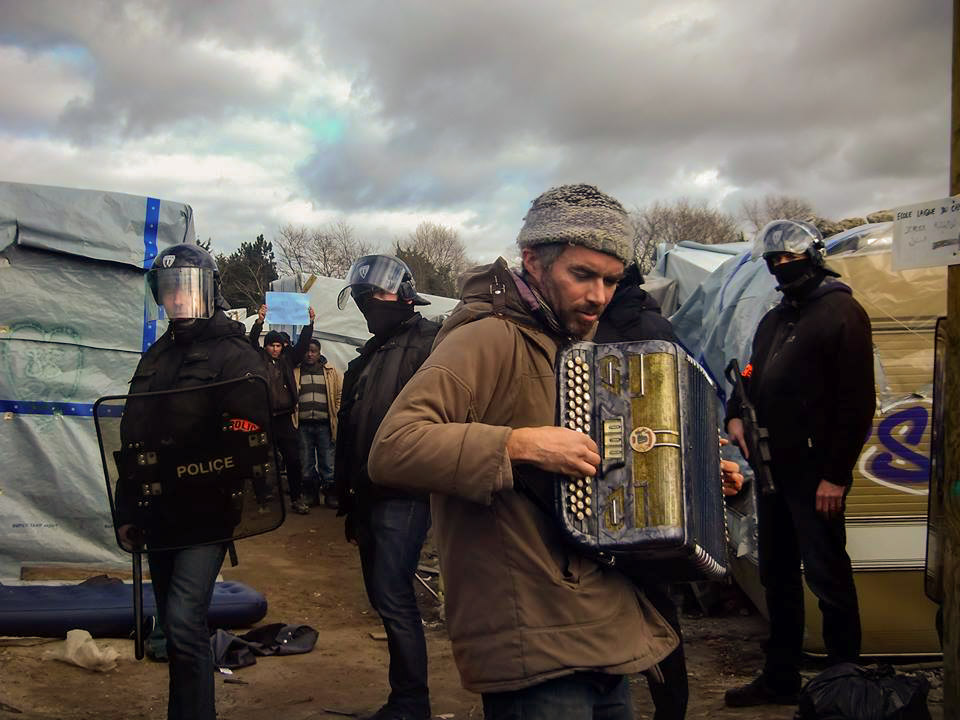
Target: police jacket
[215, 350]
[370, 384]
[811, 380]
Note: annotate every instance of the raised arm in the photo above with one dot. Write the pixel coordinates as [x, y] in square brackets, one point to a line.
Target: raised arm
[257, 328]
[299, 351]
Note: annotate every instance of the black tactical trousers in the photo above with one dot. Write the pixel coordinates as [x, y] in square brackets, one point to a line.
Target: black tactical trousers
[790, 531]
[670, 697]
[288, 443]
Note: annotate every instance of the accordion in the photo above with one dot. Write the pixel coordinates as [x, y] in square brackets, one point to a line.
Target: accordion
[655, 506]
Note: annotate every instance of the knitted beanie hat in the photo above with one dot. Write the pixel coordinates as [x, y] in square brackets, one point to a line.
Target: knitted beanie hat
[273, 337]
[578, 215]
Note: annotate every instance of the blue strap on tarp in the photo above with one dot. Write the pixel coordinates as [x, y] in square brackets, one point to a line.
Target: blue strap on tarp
[150, 223]
[29, 407]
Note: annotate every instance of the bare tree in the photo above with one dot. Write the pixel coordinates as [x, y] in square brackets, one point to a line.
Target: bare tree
[337, 247]
[674, 223]
[757, 213]
[436, 256]
[327, 251]
[293, 249]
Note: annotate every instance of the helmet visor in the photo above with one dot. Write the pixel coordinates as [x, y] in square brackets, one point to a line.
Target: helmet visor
[785, 236]
[379, 272]
[184, 292]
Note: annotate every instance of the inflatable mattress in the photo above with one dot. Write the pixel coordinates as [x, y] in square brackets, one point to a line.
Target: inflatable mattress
[105, 609]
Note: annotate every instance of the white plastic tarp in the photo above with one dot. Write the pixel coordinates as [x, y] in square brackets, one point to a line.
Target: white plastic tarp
[75, 318]
[340, 332]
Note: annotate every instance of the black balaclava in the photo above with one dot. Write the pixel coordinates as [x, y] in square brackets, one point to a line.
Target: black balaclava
[384, 315]
[798, 277]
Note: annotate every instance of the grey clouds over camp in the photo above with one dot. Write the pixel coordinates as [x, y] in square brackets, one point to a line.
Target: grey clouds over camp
[384, 114]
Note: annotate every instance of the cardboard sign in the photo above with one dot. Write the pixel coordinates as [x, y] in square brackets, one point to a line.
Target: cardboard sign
[287, 308]
[926, 234]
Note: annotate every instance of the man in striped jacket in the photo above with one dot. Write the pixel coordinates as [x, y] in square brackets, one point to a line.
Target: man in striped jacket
[319, 385]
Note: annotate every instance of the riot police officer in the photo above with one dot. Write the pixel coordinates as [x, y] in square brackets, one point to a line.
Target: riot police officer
[389, 525]
[200, 346]
[811, 380]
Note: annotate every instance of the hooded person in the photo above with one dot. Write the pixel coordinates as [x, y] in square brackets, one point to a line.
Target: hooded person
[810, 377]
[389, 525]
[537, 628]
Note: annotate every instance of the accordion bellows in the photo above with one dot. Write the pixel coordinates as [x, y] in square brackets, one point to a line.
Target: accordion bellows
[656, 505]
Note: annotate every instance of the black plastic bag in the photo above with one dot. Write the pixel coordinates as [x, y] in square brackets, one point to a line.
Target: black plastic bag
[851, 692]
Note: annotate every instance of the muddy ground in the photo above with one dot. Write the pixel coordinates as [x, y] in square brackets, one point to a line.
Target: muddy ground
[310, 575]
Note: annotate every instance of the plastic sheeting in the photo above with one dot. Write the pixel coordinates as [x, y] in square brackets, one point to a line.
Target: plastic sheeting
[690, 263]
[340, 332]
[75, 318]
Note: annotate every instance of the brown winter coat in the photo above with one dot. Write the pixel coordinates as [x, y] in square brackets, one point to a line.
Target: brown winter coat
[521, 607]
[334, 381]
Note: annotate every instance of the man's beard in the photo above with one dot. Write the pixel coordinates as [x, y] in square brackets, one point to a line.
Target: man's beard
[570, 318]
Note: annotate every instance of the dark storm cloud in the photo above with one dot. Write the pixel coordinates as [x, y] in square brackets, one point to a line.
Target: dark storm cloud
[144, 62]
[776, 90]
[479, 106]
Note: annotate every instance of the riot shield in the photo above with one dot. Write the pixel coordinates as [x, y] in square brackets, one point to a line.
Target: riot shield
[191, 466]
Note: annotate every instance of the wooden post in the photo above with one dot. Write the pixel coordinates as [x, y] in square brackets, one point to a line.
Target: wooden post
[951, 509]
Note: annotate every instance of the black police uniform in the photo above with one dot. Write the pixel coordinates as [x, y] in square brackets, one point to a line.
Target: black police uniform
[389, 525]
[208, 351]
[811, 380]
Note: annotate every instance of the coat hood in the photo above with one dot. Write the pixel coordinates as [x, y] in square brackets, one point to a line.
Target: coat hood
[495, 289]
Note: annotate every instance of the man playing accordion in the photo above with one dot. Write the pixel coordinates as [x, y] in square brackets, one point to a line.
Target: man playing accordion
[538, 628]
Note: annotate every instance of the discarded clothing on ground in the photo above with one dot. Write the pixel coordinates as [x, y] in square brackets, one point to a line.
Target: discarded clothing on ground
[232, 651]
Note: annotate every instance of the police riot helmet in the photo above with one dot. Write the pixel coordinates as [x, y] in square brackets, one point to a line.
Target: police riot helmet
[185, 281]
[372, 273]
[789, 236]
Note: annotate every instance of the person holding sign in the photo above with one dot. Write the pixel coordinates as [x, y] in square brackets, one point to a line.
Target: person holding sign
[279, 367]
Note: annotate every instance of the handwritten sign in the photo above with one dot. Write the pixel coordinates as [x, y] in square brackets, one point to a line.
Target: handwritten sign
[926, 234]
[287, 308]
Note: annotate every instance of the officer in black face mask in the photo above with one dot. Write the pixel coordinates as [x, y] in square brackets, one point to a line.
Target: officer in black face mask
[811, 379]
[388, 525]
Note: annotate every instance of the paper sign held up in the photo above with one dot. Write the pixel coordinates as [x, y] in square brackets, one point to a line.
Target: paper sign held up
[287, 308]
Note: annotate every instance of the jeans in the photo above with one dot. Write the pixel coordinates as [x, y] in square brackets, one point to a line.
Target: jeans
[183, 583]
[790, 530]
[580, 696]
[390, 539]
[316, 457]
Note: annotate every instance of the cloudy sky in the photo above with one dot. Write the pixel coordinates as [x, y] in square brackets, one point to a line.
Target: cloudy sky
[262, 113]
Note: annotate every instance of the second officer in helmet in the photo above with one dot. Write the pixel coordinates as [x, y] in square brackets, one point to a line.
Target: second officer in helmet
[388, 525]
